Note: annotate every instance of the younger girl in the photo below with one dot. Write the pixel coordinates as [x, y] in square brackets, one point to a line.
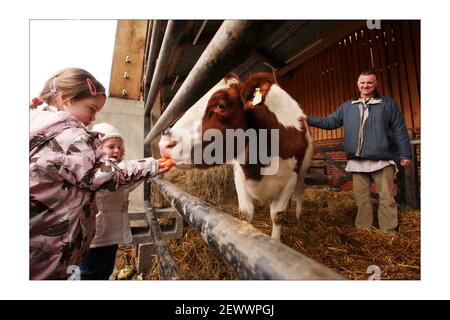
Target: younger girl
[112, 220]
[66, 169]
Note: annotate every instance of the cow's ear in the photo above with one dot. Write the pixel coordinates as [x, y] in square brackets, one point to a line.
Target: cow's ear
[246, 92]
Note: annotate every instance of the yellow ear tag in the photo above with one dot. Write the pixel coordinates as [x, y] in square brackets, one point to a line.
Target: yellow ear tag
[257, 97]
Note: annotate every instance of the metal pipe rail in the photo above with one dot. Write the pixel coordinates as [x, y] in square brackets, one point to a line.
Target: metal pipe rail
[252, 254]
[147, 41]
[172, 36]
[230, 46]
[153, 51]
[167, 266]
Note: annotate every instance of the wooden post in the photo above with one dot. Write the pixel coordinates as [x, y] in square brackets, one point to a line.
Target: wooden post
[128, 59]
[412, 198]
[407, 180]
[145, 252]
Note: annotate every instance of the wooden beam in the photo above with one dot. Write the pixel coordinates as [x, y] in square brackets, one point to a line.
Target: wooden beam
[337, 33]
[130, 41]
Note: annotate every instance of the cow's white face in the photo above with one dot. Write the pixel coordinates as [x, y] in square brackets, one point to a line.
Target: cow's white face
[178, 142]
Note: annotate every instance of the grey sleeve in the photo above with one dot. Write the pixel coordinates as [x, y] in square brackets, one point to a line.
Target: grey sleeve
[398, 127]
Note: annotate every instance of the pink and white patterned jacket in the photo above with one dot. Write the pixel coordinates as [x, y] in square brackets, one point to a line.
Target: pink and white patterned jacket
[66, 169]
[112, 220]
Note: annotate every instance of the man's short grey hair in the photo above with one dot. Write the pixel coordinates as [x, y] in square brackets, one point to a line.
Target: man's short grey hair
[369, 72]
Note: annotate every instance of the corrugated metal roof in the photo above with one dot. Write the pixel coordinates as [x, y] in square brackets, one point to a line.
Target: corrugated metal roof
[310, 32]
[283, 30]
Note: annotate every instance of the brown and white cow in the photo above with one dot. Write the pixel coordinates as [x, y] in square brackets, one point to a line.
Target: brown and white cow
[264, 107]
[178, 141]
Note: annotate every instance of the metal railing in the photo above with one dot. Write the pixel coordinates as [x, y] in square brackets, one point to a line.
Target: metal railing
[251, 253]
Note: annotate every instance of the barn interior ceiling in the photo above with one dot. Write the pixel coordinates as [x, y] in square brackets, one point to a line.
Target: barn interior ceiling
[289, 45]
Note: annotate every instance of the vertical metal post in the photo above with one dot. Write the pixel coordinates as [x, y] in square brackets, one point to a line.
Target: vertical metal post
[153, 52]
[172, 36]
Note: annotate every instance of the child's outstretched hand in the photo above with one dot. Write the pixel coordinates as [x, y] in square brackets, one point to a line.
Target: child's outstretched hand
[165, 164]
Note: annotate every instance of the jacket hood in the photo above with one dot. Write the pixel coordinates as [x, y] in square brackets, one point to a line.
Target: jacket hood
[48, 121]
[45, 120]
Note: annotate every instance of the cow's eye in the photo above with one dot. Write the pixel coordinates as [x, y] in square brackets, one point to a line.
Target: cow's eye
[220, 106]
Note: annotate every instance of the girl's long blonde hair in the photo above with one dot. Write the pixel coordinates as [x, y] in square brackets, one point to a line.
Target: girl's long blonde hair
[73, 84]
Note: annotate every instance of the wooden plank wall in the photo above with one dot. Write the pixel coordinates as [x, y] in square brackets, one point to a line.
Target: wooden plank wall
[322, 83]
[130, 41]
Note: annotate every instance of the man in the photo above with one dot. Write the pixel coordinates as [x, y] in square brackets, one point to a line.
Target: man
[375, 136]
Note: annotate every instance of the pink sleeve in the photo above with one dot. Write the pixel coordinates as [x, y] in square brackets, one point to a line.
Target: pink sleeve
[85, 166]
[110, 175]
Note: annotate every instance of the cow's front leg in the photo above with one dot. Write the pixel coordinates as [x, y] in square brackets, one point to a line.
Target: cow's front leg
[279, 205]
[299, 189]
[246, 207]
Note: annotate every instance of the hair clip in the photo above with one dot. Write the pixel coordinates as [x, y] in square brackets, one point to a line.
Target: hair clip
[91, 87]
[36, 101]
[53, 86]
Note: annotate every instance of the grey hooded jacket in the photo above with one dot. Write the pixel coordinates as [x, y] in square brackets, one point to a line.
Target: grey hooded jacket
[385, 134]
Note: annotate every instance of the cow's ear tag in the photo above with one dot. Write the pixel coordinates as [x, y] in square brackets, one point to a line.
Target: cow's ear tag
[257, 97]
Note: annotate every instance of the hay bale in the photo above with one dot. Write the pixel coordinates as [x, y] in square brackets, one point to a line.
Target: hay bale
[215, 184]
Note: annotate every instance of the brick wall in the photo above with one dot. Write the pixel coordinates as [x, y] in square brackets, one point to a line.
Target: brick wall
[334, 173]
